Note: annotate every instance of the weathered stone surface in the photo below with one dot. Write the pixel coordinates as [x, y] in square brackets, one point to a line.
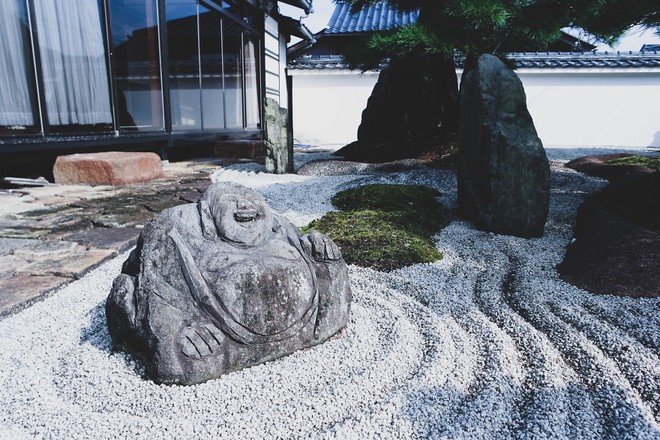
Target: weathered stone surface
[22, 290]
[41, 250]
[119, 239]
[597, 166]
[224, 284]
[110, 168]
[617, 246]
[278, 138]
[73, 265]
[190, 196]
[412, 109]
[9, 245]
[55, 213]
[503, 172]
[9, 264]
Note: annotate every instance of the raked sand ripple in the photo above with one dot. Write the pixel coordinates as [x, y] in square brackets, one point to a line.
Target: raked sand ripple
[487, 343]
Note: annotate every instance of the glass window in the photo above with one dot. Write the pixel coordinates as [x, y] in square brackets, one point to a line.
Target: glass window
[214, 80]
[73, 64]
[232, 45]
[185, 97]
[136, 56]
[210, 30]
[17, 89]
[252, 107]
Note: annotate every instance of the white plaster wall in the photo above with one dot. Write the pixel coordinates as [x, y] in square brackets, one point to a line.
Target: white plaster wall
[619, 109]
[570, 108]
[327, 106]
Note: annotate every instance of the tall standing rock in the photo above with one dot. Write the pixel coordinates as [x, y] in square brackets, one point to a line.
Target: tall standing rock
[278, 138]
[503, 172]
[412, 109]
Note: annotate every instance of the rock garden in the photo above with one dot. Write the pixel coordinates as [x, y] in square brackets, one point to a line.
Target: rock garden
[515, 297]
[487, 342]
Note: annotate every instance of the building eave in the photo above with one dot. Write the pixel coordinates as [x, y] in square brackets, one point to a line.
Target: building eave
[294, 27]
[305, 5]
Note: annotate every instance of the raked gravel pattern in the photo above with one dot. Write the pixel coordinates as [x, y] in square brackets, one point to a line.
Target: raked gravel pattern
[487, 343]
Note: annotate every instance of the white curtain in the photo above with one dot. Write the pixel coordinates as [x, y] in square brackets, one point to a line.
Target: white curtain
[15, 103]
[252, 107]
[73, 61]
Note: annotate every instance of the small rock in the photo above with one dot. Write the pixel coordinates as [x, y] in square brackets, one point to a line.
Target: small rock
[109, 168]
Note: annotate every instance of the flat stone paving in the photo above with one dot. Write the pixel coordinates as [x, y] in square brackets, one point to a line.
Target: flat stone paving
[53, 235]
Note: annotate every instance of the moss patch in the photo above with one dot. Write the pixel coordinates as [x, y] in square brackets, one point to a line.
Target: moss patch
[652, 162]
[385, 226]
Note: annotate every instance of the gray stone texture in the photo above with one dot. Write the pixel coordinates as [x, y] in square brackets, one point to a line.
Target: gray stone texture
[278, 139]
[52, 235]
[503, 172]
[411, 110]
[224, 284]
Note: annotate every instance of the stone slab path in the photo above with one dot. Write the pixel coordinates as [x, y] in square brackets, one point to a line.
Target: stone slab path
[53, 235]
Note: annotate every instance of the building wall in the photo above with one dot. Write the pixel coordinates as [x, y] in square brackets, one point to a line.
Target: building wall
[619, 108]
[327, 106]
[615, 108]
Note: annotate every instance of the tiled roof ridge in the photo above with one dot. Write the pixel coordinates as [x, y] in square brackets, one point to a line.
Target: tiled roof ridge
[615, 54]
[375, 17]
[543, 60]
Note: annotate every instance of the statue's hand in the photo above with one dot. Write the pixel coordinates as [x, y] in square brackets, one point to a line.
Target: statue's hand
[200, 340]
[320, 247]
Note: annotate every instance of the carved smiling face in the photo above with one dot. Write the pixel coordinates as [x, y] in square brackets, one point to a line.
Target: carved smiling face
[241, 215]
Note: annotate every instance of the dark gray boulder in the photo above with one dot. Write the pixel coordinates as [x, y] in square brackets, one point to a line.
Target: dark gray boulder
[411, 110]
[225, 284]
[503, 172]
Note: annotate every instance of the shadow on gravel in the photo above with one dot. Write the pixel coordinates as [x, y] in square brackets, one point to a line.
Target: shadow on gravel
[96, 334]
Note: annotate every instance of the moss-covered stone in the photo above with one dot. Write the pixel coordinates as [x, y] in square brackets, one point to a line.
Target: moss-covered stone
[652, 162]
[385, 226]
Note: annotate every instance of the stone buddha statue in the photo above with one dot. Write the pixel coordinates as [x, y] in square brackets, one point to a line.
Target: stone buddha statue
[224, 284]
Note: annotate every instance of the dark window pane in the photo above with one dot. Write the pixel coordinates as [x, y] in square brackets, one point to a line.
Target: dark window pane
[17, 90]
[73, 64]
[232, 44]
[211, 56]
[185, 95]
[137, 64]
[252, 107]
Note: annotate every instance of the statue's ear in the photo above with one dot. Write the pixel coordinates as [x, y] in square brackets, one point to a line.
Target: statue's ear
[206, 218]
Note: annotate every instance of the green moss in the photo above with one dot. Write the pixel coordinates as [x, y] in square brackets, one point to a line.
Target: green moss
[408, 205]
[652, 162]
[385, 226]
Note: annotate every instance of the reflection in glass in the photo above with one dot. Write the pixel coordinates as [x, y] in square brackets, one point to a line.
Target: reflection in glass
[210, 31]
[252, 112]
[232, 45]
[16, 78]
[185, 95]
[137, 64]
[73, 62]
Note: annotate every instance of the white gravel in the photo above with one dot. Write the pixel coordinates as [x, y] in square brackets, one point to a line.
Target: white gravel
[488, 343]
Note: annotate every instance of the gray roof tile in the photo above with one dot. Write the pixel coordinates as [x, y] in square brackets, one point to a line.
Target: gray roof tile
[377, 17]
[545, 60]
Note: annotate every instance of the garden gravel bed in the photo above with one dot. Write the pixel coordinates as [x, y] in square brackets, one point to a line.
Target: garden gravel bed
[487, 343]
